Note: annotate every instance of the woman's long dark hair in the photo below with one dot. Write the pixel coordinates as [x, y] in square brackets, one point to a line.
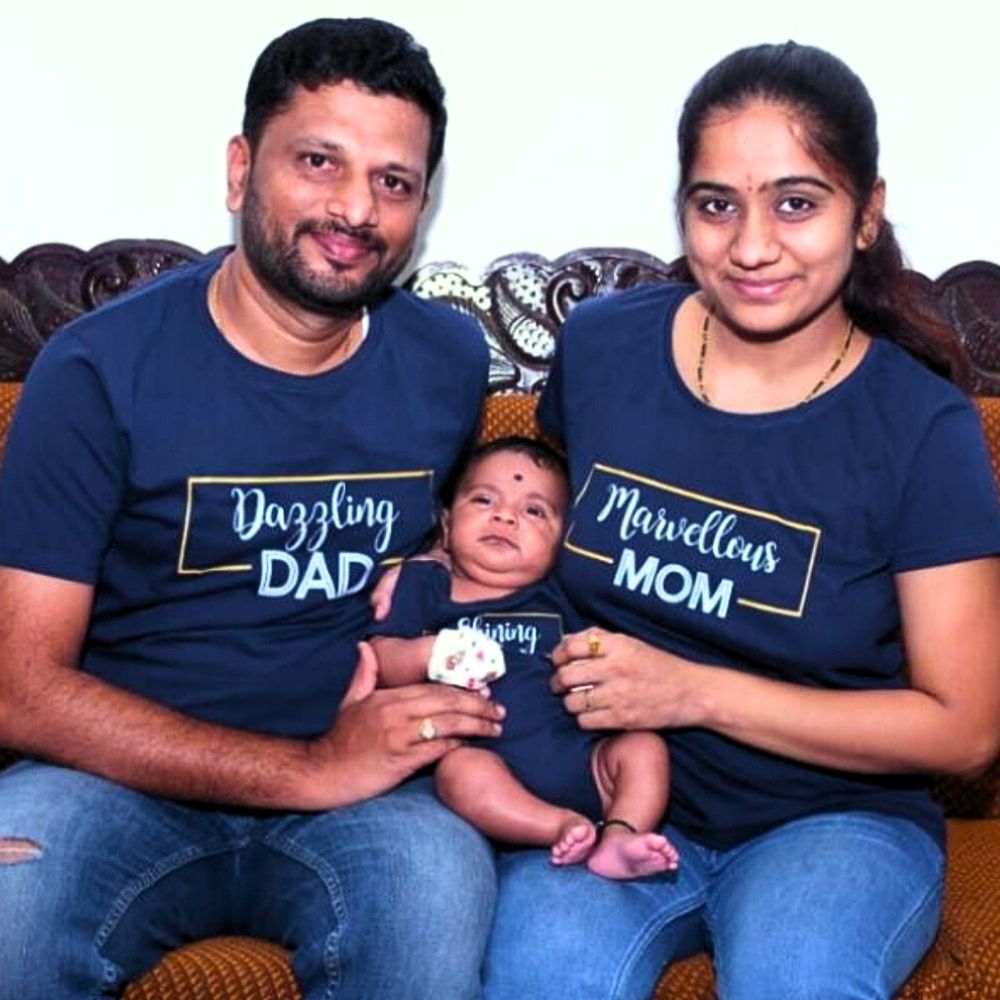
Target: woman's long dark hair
[838, 115]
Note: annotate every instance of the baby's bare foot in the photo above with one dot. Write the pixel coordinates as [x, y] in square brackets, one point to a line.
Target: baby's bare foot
[575, 841]
[623, 855]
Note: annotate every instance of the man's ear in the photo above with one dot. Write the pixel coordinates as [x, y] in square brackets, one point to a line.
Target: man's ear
[872, 217]
[238, 163]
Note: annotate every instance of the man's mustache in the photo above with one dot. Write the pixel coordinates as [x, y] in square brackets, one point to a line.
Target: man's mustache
[362, 234]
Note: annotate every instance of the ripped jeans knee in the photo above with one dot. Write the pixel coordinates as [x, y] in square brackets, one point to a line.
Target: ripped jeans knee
[16, 850]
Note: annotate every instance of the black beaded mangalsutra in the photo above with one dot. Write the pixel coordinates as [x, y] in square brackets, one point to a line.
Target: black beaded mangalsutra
[810, 395]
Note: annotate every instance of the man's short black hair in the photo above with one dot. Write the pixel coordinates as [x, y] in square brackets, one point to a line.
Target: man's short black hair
[376, 55]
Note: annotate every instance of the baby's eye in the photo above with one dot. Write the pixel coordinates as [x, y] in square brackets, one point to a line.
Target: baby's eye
[534, 510]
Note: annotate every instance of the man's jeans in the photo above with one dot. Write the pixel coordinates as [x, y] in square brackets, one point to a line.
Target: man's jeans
[826, 908]
[390, 898]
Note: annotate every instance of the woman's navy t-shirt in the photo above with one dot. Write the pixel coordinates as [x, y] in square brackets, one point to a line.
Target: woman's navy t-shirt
[765, 542]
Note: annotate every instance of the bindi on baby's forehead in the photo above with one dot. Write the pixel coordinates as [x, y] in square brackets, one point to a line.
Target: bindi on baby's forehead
[518, 477]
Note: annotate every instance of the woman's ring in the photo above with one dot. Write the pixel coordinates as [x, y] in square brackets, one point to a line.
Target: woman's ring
[593, 645]
[427, 730]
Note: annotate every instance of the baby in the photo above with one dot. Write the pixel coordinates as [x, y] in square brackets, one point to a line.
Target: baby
[594, 798]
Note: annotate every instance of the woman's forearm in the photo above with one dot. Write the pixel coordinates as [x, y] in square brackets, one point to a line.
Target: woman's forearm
[864, 731]
[947, 720]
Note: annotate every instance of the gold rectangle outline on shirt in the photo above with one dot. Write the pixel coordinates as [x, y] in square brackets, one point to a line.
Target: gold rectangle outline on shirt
[192, 481]
[691, 494]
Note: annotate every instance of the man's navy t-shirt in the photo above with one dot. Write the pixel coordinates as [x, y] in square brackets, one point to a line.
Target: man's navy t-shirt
[230, 516]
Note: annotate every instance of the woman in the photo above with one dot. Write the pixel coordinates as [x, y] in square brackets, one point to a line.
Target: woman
[773, 497]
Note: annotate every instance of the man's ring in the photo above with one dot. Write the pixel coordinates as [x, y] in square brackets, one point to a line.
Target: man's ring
[593, 645]
[427, 730]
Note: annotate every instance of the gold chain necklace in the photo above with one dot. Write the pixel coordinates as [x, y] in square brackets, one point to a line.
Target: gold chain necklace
[809, 396]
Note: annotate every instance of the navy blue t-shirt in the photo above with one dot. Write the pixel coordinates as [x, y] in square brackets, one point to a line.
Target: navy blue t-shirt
[541, 743]
[765, 542]
[230, 516]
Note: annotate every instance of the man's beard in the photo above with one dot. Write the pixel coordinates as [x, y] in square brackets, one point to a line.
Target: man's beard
[277, 263]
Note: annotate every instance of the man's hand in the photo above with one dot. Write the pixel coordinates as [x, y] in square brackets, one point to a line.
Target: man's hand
[51, 709]
[382, 736]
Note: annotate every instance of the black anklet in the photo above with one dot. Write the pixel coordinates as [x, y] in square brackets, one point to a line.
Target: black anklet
[603, 824]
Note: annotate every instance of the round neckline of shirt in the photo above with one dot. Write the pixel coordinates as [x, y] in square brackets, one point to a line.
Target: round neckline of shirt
[275, 376]
[788, 414]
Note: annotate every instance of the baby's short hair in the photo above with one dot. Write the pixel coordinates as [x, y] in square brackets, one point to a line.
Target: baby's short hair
[542, 454]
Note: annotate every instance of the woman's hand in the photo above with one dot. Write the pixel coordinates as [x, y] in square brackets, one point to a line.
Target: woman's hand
[612, 681]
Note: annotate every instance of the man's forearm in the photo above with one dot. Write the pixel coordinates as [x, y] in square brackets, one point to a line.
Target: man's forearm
[51, 709]
[78, 720]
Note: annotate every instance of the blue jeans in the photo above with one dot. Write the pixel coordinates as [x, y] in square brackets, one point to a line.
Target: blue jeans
[824, 908]
[390, 898]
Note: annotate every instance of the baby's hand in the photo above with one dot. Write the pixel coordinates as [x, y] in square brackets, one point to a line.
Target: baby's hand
[464, 657]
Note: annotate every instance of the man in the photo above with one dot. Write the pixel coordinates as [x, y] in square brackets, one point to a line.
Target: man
[200, 484]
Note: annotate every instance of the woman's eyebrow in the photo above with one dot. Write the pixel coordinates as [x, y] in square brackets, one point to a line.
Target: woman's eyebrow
[798, 179]
[708, 187]
[794, 180]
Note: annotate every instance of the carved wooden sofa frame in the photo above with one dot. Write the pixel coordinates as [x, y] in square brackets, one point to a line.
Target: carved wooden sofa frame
[521, 302]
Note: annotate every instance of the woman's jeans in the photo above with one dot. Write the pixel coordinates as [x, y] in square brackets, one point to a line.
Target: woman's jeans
[390, 898]
[824, 908]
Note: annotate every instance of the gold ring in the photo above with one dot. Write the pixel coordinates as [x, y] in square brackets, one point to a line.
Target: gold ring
[593, 645]
[427, 730]
[586, 699]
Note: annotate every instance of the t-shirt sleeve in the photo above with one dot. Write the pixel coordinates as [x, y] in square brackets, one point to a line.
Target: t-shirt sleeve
[409, 614]
[476, 363]
[63, 470]
[549, 412]
[949, 511]
[584, 368]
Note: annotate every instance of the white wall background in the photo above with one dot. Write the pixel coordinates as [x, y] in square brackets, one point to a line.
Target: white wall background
[116, 115]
